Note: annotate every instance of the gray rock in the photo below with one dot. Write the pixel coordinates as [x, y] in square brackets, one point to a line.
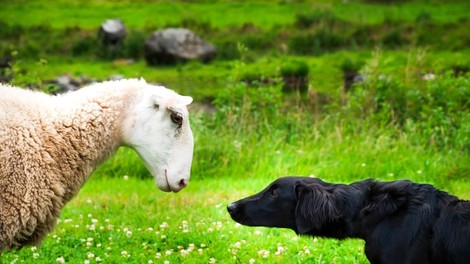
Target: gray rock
[66, 83]
[172, 45]
[112, 33]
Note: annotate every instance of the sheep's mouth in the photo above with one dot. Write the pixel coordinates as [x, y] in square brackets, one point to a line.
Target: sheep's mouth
[168, 183]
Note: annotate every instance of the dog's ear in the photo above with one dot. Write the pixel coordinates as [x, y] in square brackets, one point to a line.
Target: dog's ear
[386, 198]
[315, 207]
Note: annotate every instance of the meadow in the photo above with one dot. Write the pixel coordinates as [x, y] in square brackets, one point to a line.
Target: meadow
[396, 124]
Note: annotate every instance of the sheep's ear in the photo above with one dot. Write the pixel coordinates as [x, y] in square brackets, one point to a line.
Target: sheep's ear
[186, 100]
[157, 101]
[315, 207]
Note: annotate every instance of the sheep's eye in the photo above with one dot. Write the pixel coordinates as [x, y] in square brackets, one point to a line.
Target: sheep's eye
[176, 118]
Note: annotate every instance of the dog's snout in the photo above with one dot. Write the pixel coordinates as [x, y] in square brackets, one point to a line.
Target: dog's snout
[231, 208]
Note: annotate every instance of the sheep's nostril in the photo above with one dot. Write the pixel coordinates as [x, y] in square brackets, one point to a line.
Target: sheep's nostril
[182, 183]
[231, 208]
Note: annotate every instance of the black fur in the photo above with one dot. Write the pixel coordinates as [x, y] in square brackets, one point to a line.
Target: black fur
[401, 221]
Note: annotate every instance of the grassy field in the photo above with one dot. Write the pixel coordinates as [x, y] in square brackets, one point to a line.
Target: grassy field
[394, 125]
[261, 13]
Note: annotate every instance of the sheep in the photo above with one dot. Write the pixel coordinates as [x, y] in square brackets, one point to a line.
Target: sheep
[49, 146]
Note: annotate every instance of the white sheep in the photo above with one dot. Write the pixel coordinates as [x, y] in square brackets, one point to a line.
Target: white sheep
[49, 145]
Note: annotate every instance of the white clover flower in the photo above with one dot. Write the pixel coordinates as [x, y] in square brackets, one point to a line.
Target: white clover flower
[164, 225]
[166, 262]
[211, 260]
[252, 261]
[200, 251]
[35, 255]
[128, 233]
[258, 233]
[125, 177]
[90, 255]
[184, 252]
[86, 262]
[90, 215]
[34, 248]
[203, 245]
[90, 239]
[158, 255]
[124, 253]
[94, 221]
[163, 237]
[280, 250]
[98, 259]
[150, 261]
[169, 252]
[68, 220]
[60, 260]
[264, 253]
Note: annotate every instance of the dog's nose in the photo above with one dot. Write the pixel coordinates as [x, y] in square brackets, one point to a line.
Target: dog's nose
[231, 208]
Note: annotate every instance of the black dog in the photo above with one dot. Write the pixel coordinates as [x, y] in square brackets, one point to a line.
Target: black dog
[401, 222]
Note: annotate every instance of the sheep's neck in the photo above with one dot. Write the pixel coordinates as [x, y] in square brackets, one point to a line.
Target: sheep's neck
[90, 133]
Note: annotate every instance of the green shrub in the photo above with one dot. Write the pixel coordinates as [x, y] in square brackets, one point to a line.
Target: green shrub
[295, 76]
[314, 18]
[314, 43]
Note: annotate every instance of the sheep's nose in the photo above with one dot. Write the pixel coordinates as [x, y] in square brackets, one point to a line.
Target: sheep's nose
[182, 183]
[231, 208]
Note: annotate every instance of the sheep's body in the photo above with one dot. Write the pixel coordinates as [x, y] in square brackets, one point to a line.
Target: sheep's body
[48, 148]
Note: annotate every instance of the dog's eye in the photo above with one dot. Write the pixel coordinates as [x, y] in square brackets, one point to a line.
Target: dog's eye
[273, 192]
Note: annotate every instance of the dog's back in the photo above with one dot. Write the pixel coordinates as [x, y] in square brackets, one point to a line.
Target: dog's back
[451, 240]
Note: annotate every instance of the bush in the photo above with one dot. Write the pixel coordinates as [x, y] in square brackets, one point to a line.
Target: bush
[314, 18]
[295, 75]
[314, 44]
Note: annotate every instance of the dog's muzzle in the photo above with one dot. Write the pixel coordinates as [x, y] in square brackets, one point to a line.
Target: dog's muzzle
[232, 208]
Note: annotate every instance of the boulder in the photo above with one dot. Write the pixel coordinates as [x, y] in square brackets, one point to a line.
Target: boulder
[112, 33]
[66, 83]
[172, 45]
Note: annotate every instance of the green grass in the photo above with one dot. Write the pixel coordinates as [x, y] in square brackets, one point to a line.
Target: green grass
[265, 14]
[113, 215]
[116, 220]
[393, 126]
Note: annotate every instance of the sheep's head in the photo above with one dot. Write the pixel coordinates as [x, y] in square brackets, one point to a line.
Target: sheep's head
[157, 127]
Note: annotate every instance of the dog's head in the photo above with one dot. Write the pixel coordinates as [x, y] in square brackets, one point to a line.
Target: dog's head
[300, 203]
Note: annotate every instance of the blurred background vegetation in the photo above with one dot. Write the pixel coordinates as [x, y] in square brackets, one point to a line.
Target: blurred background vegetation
[339, 89]
[296, 86]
